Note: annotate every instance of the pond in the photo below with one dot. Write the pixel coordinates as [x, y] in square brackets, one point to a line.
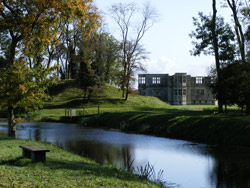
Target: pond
[187, 164]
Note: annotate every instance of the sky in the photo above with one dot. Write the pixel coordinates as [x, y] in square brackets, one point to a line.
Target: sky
[168, 41]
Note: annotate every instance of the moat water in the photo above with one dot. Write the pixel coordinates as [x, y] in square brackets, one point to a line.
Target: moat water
[185, 164]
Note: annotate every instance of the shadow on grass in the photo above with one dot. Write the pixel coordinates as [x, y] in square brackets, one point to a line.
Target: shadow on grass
[2, 137]
[78, 103]
[91, 169]
[71, 104]
[75, 167]
[19, 161]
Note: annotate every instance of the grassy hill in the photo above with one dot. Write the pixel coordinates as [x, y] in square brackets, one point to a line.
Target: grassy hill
[68, 95]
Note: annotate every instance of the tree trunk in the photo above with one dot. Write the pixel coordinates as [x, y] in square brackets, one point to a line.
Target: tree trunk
[248, 109]
[127, 84]
[238, 30]
[127, 91]
[11, 122]
[217, 61]
[13, 50]
[11, 115]
[124, 79]
[247, 105]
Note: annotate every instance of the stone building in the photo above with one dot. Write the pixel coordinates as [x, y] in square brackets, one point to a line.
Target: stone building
[179, 89]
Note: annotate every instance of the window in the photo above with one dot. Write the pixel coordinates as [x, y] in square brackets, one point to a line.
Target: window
[179, 91]
[175, 92]
[184, 79]
[180, 79]
[142, 80]
[156, 80]
[198, 80]
[175, 79]
[197, 92]
[202, 92]
[184, 92]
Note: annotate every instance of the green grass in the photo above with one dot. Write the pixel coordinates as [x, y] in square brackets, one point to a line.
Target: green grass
[62, 169]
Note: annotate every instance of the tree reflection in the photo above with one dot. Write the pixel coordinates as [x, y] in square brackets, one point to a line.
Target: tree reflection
[231, 168]
[103, 153]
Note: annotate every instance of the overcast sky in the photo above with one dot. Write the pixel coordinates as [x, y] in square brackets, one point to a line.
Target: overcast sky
[168, 40]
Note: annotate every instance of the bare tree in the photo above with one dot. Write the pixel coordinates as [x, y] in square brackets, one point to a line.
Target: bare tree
[131, 35]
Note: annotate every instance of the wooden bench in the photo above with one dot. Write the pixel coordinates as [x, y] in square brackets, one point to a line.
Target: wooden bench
[35, 153]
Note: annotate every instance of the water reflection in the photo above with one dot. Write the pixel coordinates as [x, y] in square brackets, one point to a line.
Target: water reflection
[103, 152]
[231, 167]
[186, 163]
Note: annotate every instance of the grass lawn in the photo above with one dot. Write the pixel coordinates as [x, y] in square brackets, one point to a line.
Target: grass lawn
[62, 169]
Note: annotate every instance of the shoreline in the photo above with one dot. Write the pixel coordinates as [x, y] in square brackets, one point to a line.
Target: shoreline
[200, 127]
[209, 129]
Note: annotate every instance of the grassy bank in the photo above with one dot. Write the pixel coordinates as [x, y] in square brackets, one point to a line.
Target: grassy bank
[200, 126]
[62, 169]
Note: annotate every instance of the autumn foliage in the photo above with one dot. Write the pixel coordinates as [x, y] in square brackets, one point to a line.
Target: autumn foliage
[27, 28]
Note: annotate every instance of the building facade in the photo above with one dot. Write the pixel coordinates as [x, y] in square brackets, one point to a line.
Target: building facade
[178, 89]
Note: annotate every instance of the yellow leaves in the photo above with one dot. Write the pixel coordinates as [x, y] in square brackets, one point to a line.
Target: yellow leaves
[17, 71]
[37, 20]
[22, 89]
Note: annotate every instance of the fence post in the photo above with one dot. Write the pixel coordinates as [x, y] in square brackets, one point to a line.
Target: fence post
[98, 109]
[65, 111]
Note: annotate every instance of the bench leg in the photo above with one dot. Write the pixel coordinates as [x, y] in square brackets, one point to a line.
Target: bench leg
[26, 154]
[38, 156]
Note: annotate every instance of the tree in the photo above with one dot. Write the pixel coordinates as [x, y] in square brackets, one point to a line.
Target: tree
[214, 37]
[242, 39]
[234, 5]
[102, 51]
[217, 60]
[87, 78]
[235, 84]
[131, 35]
[23, 88]
[26, 28]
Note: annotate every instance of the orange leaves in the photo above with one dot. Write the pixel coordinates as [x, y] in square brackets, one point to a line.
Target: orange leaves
[84, 14]
[36, 21]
